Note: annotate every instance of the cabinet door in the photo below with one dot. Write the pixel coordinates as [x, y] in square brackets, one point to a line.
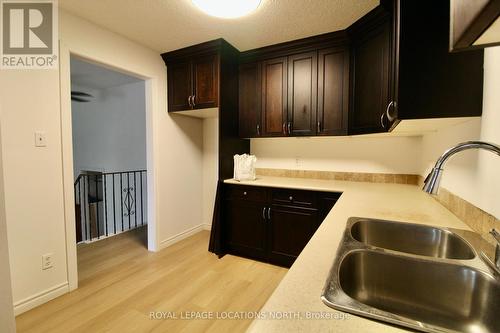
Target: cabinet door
[326, 201]
[250, 100]
[274, 97]
[333, 91]
[205, 81]
[290, 228]
[246, 228]
[179, 86]
[371, 86]
[302, 93]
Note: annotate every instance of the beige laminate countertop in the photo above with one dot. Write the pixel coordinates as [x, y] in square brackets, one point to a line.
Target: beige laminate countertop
[299, 292]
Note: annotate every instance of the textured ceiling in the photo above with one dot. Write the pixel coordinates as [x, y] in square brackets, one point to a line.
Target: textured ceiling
[166, 25]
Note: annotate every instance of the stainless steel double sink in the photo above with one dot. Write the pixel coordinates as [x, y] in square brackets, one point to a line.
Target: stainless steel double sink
[421, 277]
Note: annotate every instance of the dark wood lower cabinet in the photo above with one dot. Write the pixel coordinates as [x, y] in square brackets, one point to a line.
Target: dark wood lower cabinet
[290, 228]
[269, 224]
[246, 230]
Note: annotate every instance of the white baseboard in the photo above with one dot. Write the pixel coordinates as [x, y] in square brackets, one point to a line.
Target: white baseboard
[40, 298]
[180, 236]
[207, 226]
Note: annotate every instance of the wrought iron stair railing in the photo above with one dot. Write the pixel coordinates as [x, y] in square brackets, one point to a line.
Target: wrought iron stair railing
[109, 203]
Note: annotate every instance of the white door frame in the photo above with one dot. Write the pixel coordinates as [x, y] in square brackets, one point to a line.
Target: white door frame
[67, 155]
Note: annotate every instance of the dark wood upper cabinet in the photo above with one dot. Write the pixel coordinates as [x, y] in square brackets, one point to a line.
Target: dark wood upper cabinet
[402, 69]
[179, 84]
[205, 81]
[302, 94]
[304, 87]
[474, 24]
[370, 72]
[193, 76]
[250, 100]
[391, 65]
[274, 97]
[429, 81]
[333, 91]
[206, 76]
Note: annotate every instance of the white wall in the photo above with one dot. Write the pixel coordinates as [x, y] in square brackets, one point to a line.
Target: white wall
[7, 322]
[109, 132]
[33, 176]
[210, 167]
[343, 154]
[473, 175]
[176, 141]
[33, 184]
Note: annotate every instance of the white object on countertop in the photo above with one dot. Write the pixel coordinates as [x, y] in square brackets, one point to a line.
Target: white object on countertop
[244, 167]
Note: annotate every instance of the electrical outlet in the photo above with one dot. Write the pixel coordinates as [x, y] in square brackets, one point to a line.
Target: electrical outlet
[47, 261]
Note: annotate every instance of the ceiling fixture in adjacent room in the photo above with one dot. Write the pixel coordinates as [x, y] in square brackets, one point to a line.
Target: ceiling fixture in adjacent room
[79, 96]
[227, 8]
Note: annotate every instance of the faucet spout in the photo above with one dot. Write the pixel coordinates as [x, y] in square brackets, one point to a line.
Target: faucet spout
[431, 183]
[496, 235]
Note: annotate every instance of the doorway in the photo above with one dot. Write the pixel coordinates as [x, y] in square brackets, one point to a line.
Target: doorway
[108, 110]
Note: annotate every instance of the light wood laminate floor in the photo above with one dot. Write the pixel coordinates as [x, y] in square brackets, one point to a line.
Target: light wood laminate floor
[120, 283]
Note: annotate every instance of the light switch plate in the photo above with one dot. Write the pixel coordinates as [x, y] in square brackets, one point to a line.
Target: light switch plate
[40, 139]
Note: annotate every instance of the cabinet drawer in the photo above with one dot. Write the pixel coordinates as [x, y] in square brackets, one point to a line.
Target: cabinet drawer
[252, 193]
[294, 197]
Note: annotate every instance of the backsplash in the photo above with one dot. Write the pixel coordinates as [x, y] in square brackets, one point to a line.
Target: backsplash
[334, 175]
[476, 218]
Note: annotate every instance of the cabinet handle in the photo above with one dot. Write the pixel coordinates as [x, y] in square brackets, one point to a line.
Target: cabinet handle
[258, 130]
[291, 198]
[269, 213]
[388, 113]
[382, 120]
[318, 127]
[193, 99]
[264, 213]
[284, 128]
[289, 127]
[189, 102]
[245, 193]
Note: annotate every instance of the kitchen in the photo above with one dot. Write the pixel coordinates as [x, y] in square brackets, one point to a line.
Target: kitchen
[347, 110]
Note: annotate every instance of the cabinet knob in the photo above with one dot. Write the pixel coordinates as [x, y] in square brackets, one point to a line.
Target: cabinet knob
[258, 130]
[245, 193]
[291, 198]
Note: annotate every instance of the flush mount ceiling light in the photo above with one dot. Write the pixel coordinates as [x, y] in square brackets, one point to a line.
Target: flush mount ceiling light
[227, 8]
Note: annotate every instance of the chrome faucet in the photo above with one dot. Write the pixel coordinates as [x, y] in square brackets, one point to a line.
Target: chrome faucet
[431, 183]
[496, 235]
